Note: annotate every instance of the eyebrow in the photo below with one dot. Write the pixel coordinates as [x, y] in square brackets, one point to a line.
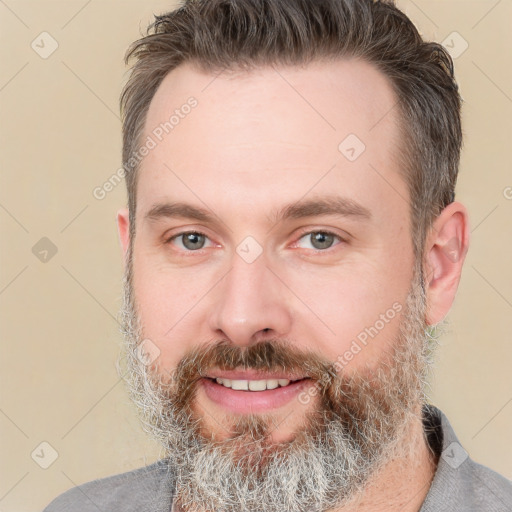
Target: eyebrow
[330, 205]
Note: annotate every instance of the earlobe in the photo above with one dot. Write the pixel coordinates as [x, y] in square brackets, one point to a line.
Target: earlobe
[445, 251]
[123, 227]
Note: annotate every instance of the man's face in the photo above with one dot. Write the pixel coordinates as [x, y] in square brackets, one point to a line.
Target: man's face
[263, 154]
[254, 145]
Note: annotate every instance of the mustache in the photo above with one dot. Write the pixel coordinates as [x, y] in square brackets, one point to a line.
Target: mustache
[265, 355]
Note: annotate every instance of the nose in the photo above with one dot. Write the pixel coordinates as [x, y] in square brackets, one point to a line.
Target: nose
[251, 303]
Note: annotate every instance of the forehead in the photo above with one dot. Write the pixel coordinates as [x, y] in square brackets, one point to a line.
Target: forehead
[272, 129]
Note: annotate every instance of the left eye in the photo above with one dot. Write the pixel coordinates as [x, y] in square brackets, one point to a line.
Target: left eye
[320, 240]
[190, 241]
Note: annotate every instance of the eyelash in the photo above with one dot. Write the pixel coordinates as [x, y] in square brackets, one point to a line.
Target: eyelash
[302, 235]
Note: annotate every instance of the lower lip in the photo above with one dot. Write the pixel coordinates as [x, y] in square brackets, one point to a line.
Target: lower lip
[252, 401]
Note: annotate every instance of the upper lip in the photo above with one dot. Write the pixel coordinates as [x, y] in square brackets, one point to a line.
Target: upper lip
[253, 375]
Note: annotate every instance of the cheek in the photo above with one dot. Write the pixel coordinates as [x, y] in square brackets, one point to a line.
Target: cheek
[354, 316]
[169, 303]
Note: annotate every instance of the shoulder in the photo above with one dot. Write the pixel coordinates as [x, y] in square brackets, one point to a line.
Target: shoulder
[488, 490]
[461, 484]
[468, 488]
[147, 488]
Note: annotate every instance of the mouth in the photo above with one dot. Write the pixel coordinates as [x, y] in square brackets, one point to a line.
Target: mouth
[249, 392]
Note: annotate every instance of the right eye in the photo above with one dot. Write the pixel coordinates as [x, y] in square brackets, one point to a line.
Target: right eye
[189, 241]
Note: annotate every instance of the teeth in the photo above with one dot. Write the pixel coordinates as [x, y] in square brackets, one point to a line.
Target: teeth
[242, 385]
[253, 385]
[257, 385]
[272, 384]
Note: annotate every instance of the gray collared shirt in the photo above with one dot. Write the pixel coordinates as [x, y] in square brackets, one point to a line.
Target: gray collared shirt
[459, 484]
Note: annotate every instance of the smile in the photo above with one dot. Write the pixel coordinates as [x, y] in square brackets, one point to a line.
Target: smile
[252, 395]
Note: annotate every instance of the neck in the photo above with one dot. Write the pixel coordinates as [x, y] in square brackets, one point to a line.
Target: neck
[403, 482]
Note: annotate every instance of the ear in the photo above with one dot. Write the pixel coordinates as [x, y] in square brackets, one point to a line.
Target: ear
[445, 250]
[123, 228]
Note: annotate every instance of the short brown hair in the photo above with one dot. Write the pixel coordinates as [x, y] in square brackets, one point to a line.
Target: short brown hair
[242, 34]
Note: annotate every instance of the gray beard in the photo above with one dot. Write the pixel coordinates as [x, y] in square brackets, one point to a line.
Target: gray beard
[359, 425]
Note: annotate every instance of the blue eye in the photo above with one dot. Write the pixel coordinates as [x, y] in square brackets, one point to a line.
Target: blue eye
[320, 240]
[190, 240]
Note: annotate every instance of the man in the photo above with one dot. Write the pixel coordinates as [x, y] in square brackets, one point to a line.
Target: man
[291, 240]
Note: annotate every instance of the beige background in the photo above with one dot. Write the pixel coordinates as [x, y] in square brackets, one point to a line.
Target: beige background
[60, 138]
